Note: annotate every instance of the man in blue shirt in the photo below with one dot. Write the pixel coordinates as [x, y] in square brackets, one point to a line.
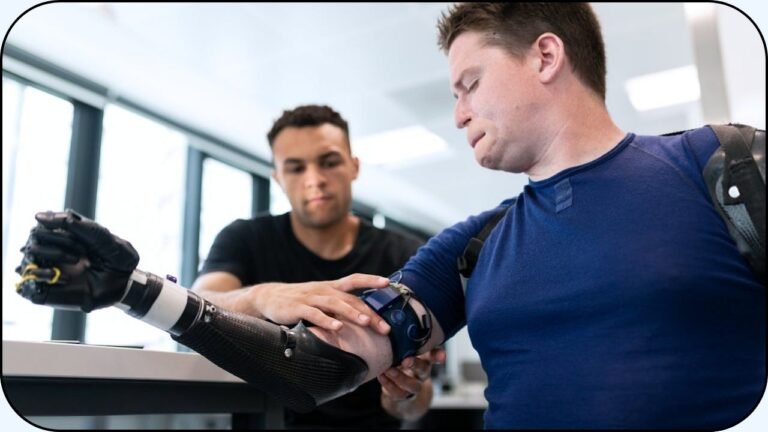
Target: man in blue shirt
[611, 294]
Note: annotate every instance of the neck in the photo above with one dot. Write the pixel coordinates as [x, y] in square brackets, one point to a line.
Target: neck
[330, 242]
[582, 132]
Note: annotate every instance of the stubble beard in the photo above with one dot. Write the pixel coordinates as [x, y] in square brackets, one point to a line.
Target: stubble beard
[322, 220]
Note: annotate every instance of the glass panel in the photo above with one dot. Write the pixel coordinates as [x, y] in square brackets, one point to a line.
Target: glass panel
[278, 201]
[37, 130]
[140, 198]
[227, 195]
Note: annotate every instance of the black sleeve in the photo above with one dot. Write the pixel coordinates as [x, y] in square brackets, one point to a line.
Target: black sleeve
[230, 252]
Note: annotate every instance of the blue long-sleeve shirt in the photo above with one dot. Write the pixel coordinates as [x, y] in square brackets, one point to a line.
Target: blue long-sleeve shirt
[610, 296]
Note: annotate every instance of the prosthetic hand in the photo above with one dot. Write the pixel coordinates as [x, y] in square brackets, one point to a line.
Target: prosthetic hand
[89, 267]
[72, 262]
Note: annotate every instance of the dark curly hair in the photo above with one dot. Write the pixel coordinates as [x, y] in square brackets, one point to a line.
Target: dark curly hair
[307, 115]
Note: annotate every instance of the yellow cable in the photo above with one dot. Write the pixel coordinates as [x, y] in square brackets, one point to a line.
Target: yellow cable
[56, 276]
[26, 276]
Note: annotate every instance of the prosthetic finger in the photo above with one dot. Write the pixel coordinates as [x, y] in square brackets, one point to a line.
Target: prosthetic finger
[114, 252]
[44, 254]
[56, 237]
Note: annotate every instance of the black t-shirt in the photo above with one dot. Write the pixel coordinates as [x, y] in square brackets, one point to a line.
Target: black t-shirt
[265, 249]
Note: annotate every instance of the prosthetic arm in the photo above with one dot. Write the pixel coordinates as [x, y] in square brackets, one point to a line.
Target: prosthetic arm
[71, 262]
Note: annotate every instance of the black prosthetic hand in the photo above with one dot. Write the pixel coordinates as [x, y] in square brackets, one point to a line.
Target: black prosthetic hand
[71, 262]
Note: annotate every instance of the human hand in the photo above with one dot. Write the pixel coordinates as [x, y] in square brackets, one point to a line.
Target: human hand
[407, 380]
[71, 262]
[322, 303]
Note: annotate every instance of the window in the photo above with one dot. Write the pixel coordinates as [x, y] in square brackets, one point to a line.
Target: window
[37, 130]
[140, 198]
[227, 194]
[278, 201]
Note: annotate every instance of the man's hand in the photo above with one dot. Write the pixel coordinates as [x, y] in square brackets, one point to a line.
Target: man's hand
[320, 302]
[72, 262]
[406, 390]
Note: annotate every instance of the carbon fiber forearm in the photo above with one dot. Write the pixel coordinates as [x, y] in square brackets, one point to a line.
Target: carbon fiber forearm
[293, 365]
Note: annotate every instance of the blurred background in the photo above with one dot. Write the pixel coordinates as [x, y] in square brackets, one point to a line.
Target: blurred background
[164, 107]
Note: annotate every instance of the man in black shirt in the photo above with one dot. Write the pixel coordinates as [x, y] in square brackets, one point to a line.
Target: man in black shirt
[259, 266]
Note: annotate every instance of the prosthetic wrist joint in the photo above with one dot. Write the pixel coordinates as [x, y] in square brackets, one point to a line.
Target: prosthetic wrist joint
[409, 331]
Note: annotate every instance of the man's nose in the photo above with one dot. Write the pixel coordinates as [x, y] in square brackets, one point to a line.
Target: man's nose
[314, 177]
[461, 114]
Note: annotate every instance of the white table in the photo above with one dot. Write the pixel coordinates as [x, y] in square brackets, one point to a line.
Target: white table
[45, 378]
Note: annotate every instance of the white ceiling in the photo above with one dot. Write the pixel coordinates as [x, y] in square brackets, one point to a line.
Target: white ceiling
[230, 69]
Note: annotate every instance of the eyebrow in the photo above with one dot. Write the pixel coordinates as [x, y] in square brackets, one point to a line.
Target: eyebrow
[321, 157]
[328, 154]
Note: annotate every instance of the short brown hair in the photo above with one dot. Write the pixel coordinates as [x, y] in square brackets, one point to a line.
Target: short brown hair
[515, 26]
[307, 115]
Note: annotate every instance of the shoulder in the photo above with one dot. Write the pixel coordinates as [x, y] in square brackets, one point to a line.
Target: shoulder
[700, 136]
[687, 148]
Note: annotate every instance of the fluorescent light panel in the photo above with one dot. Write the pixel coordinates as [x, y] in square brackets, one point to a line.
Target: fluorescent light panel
[697, 12]
[393, 147]
[662, 89]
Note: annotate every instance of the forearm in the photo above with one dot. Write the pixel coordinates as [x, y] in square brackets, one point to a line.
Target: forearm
[239, 299]
[233, 300]
[409, 409]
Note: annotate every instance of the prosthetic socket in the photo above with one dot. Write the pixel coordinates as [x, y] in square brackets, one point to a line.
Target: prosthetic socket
[293, 365]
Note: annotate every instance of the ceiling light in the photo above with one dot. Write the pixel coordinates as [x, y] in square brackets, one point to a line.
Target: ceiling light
[662, 89]
[696, 12]
[397, 146]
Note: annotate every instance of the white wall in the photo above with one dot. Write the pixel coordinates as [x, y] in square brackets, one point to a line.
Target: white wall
[744, 67]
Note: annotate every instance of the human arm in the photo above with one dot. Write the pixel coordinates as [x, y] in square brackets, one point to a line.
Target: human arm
[407, 389]
[71, 262]
[237, 275]
[323, 303]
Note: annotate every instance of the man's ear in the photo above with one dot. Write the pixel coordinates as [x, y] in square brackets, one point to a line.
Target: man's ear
[356, 165]
[550, 55]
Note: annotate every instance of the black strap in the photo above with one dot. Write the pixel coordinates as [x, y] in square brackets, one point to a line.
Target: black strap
[741, 170]
[467, 261]
[739, 163]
